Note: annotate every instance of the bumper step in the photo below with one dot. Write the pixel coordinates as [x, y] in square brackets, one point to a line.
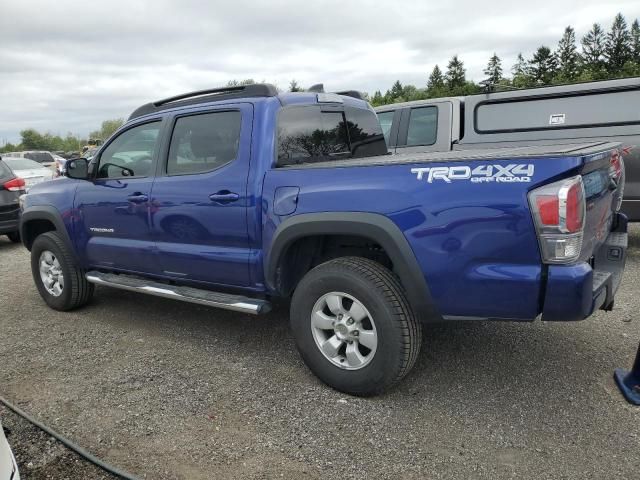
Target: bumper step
[226, 301]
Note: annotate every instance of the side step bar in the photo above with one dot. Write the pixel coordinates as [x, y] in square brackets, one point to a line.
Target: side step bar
[227, 301]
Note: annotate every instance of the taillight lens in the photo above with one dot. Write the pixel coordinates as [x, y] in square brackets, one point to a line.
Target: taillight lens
[559, 212]
[15, 185]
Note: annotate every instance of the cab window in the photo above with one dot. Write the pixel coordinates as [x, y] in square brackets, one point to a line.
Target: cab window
[202, 143]
[131, 153]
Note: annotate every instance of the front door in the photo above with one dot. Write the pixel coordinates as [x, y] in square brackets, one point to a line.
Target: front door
[200, 199]
[113, 208]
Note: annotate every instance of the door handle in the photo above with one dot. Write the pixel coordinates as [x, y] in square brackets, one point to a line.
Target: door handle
[224, 196]
[138, 198]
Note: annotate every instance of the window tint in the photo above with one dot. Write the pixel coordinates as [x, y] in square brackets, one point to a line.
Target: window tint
[386, 120]
[307, 134]
[130, 154]
[423, 126]
[201, 143]
[365, 133]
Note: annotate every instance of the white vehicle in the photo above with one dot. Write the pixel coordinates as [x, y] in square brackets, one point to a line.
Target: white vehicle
[31, 172]
[8, 466]
[46, 159]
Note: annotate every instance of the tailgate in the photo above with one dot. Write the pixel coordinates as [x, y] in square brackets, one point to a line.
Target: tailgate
[603, 179]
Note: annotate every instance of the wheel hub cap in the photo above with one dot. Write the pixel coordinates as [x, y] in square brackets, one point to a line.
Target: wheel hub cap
[51, 273]
[344, 331]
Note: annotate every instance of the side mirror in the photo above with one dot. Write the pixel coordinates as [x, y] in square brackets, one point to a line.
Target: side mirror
[78, 168]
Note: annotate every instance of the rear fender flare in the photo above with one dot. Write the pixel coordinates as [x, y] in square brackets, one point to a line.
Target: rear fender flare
[369, 225]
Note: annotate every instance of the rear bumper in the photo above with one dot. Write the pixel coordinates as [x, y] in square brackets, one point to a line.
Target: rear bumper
[574, 292]
[9, 226]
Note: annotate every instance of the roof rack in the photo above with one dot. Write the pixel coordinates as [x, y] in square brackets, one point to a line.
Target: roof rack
[319, 88]
[207, 95]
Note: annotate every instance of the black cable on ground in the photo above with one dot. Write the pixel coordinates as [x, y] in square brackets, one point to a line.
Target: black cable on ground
[68, 443]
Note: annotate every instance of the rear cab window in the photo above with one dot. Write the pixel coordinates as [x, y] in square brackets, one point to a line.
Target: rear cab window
[311, 134]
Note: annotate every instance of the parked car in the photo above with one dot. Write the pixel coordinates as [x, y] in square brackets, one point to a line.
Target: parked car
[11, 187]
[31, 172]
[594, 111]
[234, 197]
[45, 158]
[8, 465]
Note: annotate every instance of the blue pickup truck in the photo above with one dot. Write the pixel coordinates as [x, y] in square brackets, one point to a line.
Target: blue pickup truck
[235, 197]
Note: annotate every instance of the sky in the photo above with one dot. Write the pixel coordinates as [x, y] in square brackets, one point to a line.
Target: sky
[65, 66]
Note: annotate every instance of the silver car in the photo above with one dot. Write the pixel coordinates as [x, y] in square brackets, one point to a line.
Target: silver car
[31, 172]
[8, 466]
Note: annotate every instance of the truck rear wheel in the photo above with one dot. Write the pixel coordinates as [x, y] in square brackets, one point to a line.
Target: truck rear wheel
[60, 282]
[354, 327]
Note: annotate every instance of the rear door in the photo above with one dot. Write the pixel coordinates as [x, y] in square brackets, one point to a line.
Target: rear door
[200, 198]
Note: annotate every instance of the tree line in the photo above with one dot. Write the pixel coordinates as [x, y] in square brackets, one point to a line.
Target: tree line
[602, 55]
[31, 139]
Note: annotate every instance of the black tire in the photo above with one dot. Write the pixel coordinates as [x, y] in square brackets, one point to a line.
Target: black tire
[14, 237]
[379, 291]
[76, 290]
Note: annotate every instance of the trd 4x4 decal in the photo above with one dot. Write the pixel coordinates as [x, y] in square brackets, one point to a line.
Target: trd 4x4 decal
[514, 172]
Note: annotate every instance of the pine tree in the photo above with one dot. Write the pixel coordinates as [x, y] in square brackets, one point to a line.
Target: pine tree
[593, 64]
[617, 49]
[522, 73]
[455, 77]
[543, 66]
[635, 42]
[396, 91]
[294, 86]
[493, 70]
[568, 57]
[377, 99]
[436, 79]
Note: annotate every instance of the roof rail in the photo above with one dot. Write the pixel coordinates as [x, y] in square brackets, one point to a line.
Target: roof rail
[207, 95]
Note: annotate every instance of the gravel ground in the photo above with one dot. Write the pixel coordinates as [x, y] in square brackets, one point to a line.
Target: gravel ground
[168, 390]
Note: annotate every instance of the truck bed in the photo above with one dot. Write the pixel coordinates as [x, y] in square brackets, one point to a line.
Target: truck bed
[509, 153]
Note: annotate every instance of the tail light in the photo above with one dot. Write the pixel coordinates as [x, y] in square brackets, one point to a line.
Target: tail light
[559, 212]
[15, 185]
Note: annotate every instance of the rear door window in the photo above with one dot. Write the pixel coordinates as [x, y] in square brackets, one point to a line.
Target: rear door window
[423, 126]
[202, 143]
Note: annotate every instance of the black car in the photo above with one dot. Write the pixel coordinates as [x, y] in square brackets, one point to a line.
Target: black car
[11, 187]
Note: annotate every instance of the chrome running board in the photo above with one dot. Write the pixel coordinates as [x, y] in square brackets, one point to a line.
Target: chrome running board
[227, 301]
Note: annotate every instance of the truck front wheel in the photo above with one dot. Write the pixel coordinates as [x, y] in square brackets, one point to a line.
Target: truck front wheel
[60, 281]
[354, 327]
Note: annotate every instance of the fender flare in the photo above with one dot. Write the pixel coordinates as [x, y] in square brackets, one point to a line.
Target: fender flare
[49, 213]
[369, 225]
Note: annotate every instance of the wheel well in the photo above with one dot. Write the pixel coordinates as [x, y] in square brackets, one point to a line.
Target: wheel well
[33, 228]
[307, 252]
